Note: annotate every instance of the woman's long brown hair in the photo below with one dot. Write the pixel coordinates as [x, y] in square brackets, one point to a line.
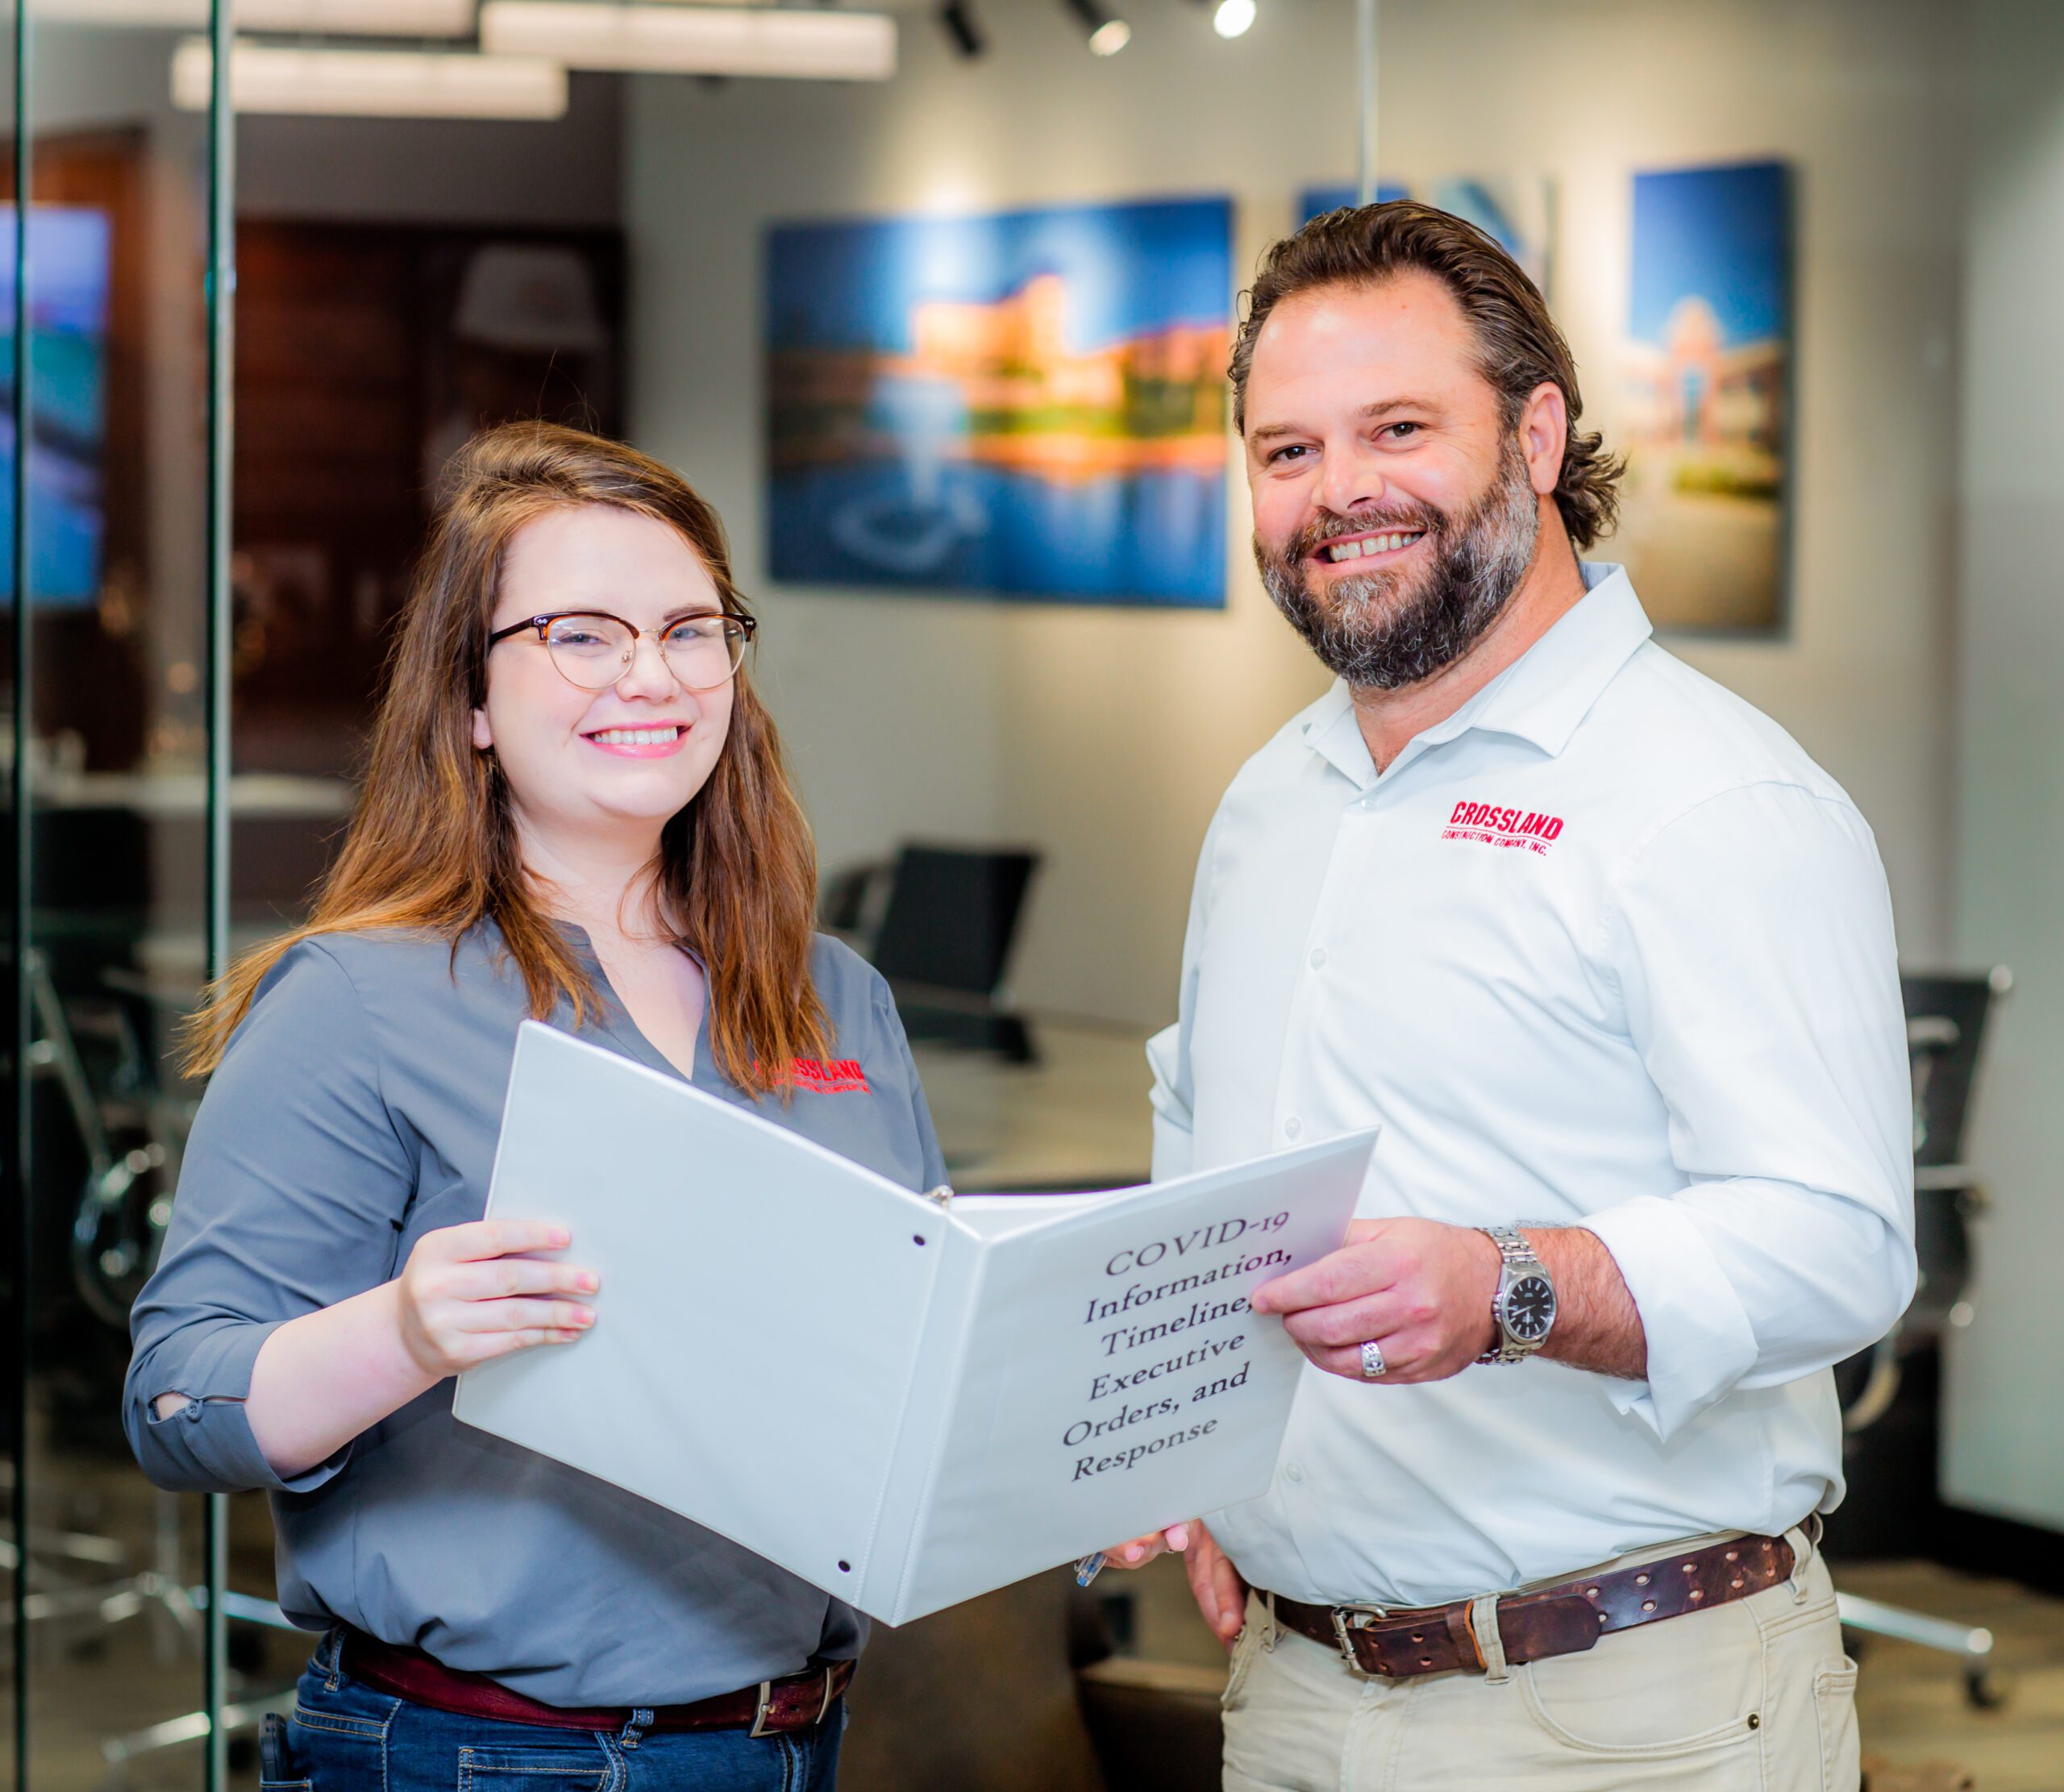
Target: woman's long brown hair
[432, 845]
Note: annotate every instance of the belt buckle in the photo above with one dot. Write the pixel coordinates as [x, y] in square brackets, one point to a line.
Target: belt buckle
[1346, 1620]
[766, 1705]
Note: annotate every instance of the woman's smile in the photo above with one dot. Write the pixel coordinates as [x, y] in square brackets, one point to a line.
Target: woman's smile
[644, 741]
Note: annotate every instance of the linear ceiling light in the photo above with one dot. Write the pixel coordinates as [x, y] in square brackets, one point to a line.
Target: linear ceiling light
[338, 17]
[655, 39]
[387, 84]
[1107, 35]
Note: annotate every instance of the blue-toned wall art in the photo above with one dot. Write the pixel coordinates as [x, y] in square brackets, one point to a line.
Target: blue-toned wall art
[1516, 212]
[1026, 405]
[69, 258]
[1706, 372]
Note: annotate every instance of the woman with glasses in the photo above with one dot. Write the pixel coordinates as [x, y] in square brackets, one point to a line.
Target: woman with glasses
[576, 810]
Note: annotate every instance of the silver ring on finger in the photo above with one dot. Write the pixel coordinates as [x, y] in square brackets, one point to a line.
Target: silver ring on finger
[1374, 1368]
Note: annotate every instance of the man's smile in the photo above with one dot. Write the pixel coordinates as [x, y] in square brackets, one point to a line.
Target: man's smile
[1372, 544]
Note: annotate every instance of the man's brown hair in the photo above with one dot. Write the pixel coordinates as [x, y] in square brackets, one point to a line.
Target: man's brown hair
[1519, 347]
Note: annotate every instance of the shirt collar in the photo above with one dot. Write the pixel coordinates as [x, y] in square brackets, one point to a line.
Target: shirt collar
[1540, 697]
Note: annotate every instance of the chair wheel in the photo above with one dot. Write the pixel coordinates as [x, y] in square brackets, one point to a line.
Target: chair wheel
[1984, 1690]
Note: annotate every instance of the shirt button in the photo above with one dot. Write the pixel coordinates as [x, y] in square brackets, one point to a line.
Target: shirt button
[1318, 958]
[1292, 1127]
[1293, 1471]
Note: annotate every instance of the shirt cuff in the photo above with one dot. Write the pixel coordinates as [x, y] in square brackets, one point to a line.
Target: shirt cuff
[212, 1430]
[1700, 1341]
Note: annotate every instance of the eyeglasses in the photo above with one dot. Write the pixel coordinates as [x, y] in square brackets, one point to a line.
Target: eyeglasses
[594, 649]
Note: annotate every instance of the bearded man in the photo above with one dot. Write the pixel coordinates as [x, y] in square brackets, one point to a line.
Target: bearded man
[1610, 961]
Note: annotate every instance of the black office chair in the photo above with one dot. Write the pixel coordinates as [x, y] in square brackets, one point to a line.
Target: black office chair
[939, 923]
[1946, 1019]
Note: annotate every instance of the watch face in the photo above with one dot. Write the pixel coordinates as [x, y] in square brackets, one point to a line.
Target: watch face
[1530, 1308]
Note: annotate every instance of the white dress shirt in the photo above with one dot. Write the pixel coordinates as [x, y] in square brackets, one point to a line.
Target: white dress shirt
[1604, 948]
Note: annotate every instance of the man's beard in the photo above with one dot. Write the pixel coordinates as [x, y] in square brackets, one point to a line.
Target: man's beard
[1384, 630]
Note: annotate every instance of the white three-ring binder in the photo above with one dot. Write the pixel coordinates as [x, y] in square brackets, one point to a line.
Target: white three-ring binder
[904, 1404]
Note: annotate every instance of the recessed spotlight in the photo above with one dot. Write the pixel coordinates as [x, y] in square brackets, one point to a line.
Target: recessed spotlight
[1233, 18]
[1107, 34]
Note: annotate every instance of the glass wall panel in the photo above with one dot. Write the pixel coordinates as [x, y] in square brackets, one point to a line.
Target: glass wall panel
[109, 701]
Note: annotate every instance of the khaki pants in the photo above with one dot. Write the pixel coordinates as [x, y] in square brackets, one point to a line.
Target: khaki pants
[1754, 1694]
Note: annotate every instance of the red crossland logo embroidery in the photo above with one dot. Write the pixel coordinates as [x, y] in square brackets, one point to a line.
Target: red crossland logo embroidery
[1493, 826]
[841, 1076]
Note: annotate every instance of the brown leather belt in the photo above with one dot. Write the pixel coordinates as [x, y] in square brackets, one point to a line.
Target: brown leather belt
[797, 1702]
[1565, 1620]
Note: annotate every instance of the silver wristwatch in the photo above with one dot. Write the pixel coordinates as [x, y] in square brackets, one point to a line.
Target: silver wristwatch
[1523, 1310]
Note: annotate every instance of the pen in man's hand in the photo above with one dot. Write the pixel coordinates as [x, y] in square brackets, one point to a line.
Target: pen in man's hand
[1087, 1570]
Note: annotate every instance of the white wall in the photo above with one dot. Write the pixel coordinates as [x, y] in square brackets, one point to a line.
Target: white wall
[2004, 1443]
[1106, 736]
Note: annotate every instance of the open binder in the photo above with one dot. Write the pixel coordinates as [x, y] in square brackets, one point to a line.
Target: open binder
[905, 1403]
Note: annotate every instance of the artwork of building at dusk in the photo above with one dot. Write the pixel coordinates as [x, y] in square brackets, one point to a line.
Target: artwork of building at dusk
[1028, 405]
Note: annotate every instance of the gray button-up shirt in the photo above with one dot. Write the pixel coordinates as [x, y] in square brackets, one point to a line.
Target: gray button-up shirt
[357, 1109]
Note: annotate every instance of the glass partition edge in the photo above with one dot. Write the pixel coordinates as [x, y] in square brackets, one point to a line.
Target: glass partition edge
[19, 796]
[221, 302]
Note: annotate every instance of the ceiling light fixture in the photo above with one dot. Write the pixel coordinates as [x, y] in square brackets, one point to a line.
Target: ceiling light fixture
[652, 38]
[327, 18]
[1233, 18]
[386, 84]
[1107, 35]
[957, 18]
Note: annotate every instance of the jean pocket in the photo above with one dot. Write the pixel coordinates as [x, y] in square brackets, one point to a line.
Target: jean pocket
[1691, 1687]
[578, 1764]
[1834, 1710]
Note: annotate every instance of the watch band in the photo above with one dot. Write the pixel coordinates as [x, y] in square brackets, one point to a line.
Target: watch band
[1511, 1244]
[1516, 1253]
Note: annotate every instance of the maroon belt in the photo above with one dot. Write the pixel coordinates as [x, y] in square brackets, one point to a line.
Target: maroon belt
[1558, 1620]
[797, 1701]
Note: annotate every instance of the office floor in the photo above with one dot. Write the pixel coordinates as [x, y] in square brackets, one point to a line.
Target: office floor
[1911, 1706]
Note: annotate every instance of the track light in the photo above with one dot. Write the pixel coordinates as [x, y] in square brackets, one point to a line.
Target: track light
[1108, 35]
[1233, 18]
[957, 19]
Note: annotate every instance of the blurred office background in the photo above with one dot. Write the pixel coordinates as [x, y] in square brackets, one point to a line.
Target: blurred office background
[932, 300]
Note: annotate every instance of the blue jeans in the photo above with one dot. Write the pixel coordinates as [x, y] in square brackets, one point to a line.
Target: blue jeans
[346, 1736]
